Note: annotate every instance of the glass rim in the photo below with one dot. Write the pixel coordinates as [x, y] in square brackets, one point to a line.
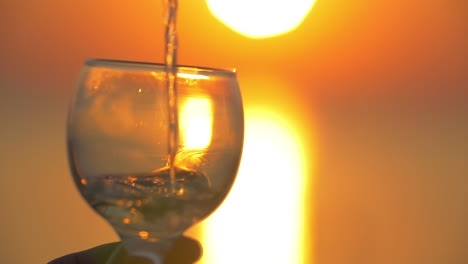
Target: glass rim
[137, 65]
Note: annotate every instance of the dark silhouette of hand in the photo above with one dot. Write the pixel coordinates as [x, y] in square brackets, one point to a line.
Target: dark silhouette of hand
[183, 251]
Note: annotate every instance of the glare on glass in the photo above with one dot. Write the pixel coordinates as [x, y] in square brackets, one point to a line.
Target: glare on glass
[118, 133]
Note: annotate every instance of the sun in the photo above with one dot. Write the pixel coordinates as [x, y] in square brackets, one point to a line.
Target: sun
[261, 18]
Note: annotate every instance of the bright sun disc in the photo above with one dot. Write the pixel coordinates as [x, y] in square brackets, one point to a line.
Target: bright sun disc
[261, 18]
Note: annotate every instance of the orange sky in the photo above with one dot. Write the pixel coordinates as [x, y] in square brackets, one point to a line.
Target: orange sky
[363, 42]
[379, 86]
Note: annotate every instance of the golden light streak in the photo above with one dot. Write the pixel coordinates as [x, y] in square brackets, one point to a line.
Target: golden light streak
[261, 18]
[262, 220]
[192, 76]
[196, 122]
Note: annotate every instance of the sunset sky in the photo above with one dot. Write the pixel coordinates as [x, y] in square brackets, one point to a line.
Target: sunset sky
[376, 92]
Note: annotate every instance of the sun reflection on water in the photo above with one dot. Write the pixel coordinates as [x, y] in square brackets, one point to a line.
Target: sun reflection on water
[263, 218]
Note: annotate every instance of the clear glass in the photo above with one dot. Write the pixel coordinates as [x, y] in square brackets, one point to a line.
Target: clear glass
[118, 132]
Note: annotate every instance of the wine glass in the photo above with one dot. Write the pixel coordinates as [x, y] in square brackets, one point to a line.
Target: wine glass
[119, 151]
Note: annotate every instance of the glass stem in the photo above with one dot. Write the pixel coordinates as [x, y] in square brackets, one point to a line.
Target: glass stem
[153, 251]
